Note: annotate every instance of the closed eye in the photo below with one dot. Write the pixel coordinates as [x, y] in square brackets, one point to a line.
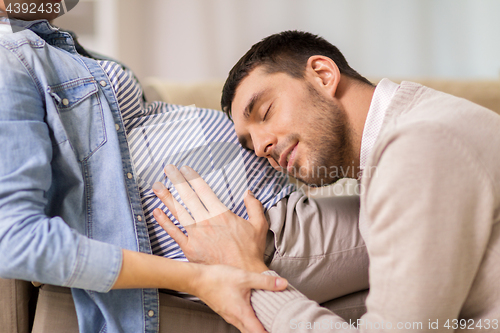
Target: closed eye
[267, 112]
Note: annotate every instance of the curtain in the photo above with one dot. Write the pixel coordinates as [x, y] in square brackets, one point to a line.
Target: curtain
[202, 39]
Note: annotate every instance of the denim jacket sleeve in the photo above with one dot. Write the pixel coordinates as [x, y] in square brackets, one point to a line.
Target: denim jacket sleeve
[33, 244]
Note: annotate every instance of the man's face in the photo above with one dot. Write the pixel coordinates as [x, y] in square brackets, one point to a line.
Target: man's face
[290, 122]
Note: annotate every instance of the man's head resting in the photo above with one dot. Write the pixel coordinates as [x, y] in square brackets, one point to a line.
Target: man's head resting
[285, 52]
[287, 98]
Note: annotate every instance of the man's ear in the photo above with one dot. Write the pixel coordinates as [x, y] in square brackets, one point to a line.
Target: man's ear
[324, 72]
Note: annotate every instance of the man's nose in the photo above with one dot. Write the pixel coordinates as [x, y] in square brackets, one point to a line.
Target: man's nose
[264, 144]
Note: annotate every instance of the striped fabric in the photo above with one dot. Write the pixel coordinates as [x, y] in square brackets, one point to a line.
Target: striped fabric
[159, 134]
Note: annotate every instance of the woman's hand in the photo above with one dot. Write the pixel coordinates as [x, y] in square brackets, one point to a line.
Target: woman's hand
[227, 291]
[216, 235]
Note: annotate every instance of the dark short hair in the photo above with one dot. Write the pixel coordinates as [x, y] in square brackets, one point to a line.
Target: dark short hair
[285, 52]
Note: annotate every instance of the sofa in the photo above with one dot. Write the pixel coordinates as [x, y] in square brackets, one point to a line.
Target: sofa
[18, 298]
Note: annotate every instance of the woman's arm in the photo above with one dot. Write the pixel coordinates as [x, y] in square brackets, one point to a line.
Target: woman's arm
[225, 289]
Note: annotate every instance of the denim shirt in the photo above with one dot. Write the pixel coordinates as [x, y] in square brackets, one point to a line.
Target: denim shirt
[68, 196]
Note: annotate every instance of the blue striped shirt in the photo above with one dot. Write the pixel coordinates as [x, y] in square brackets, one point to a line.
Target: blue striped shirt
[159, 134]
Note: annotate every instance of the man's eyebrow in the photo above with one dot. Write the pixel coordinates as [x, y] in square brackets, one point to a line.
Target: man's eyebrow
[250, 106]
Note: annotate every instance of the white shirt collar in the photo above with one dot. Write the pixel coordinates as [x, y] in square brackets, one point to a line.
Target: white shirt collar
[5, 29]
[382, 97]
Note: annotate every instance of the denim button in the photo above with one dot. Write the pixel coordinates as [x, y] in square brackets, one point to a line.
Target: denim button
[117, 127]
[103, 83]
[65, 102]
[139, 218]
[129, 175]
[151, 313]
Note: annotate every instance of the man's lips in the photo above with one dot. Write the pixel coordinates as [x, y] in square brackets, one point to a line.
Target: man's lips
[292, 150]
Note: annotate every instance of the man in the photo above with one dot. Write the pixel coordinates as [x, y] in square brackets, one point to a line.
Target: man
[429, 169]
[71, 211]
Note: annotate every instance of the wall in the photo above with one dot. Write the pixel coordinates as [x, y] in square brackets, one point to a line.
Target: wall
[201, 39]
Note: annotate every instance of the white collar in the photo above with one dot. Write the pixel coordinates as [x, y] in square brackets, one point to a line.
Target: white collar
[5, 29]
[382, 97]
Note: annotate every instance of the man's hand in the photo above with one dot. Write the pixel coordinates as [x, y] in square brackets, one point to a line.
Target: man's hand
[216, 235]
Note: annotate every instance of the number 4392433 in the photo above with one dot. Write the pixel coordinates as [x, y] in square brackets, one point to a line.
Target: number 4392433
[33, 8]
[470, 324]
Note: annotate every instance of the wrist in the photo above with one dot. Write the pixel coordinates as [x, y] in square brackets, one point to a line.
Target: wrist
[195, 278]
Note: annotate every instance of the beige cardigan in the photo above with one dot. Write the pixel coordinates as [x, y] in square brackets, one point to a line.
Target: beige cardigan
[431, 207]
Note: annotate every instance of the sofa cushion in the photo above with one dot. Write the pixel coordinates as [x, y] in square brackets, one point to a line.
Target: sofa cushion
[202, 94]
[207, 94]
[15, 304]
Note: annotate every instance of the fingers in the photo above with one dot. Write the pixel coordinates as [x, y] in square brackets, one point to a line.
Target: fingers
[204, 192]
[170, 227]
[255, 211]
[187, 194]
[266, 282]
[244, 318]
[249, 321]
[175, 207]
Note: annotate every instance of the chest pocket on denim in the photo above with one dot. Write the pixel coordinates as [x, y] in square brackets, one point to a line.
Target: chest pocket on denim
[80, 110]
